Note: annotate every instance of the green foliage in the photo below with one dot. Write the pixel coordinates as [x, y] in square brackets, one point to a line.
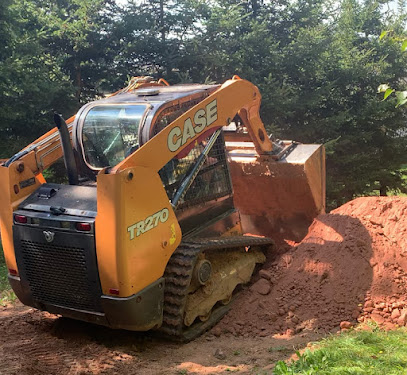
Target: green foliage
[56, 173]
[401, 96]
[31, 83]
[359, 352]
[78, 33]
[3, 273]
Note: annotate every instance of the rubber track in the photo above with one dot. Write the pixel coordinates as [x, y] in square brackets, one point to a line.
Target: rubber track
[178, 275]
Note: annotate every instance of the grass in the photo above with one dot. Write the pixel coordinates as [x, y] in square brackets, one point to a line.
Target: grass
[280, 349]
[352, 353]
[6, 294]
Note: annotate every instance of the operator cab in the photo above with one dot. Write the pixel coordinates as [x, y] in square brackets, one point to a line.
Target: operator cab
[109, 130]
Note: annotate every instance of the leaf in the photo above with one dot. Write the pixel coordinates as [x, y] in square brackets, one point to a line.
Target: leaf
[387, 93]
[383, 34]
[383, 88]
[401, 102]
[401, 95]
[401, 98]
[404, 45]
[330, 144]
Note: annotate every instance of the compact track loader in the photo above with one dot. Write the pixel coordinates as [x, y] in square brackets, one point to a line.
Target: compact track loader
[174, 194]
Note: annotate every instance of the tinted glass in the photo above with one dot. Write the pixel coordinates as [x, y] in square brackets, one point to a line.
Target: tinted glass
[110, 133]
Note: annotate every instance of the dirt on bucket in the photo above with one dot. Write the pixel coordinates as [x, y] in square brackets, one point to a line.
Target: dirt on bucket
[351, 266]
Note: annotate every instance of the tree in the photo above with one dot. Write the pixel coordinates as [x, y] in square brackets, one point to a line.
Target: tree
[31, 82]
[153, 35]
[371, 141]
[80, 34]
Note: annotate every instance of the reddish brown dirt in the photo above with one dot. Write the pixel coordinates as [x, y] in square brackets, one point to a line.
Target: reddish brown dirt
[351, 266]
[38, 343]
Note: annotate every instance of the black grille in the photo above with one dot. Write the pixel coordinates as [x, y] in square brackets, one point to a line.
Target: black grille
[170, 114]
[58, 274]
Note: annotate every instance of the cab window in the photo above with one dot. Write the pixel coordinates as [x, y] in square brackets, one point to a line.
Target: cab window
[212, 181]
[110, 133]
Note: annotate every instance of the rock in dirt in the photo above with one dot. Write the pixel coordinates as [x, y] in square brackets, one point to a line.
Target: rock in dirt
[217, 331]
[395, 314]
[403, 318]
[346, 325]
[262, 287]
[377, 318]
[290, 332]
[389, 326]
[355, 314]
[219, 354]
[266, 274]
[368, 304]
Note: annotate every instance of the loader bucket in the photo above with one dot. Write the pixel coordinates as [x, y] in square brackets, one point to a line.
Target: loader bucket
[278, 197]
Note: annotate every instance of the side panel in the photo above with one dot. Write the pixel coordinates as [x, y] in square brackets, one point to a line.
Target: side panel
[136, 230]
[15, 186]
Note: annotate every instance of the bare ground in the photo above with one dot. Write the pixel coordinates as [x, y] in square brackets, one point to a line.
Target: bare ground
[34, 342]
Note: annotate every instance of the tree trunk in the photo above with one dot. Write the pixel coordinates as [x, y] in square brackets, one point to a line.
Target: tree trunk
[383, 190]
[255, 7]
[162, 21]
[78, 80]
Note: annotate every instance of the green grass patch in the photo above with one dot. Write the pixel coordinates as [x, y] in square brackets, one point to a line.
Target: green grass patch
[6, 294]
[280, 349]
[3, 273]
[353, 353]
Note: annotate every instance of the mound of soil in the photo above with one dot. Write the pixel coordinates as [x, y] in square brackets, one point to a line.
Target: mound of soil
[351, 266]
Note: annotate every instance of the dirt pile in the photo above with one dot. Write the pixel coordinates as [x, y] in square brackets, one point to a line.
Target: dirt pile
[351, 266]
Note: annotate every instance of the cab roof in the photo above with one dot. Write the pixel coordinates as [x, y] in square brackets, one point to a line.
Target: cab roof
[165, 94]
